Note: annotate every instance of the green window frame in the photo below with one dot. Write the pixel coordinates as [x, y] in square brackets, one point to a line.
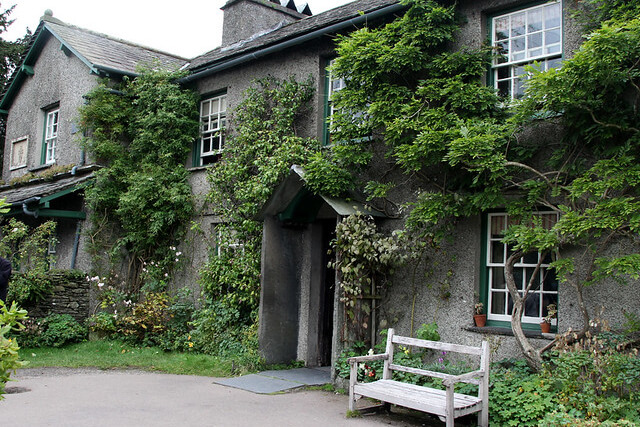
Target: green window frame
[494, 293]
[529, 36]
[213, 122]
[50, 136]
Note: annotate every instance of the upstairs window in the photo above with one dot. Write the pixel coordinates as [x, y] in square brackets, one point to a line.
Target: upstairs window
[525, 37]
[213, 119]
[357, 117]
[50, 136]
[545, 289]
[334, 85]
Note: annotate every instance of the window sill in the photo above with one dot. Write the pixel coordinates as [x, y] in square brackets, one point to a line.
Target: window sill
[199, 168]
[498, 330]
[40, 167]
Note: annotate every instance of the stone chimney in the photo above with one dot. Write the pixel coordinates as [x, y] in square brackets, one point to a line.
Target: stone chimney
[244, 19]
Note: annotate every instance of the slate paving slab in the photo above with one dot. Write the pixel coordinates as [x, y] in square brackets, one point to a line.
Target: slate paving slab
[274, 381]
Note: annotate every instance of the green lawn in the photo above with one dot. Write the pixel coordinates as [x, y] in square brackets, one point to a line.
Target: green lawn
[115, 354]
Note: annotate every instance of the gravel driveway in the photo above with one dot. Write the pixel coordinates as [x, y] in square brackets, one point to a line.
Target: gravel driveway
[92, 397]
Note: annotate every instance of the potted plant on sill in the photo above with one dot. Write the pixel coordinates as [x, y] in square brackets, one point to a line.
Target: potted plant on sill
[479, 319]
[552, 312]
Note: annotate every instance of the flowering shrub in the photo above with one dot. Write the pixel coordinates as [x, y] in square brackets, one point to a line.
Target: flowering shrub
[110, 296]
[102, 323]
[148, 319]
[155, 274]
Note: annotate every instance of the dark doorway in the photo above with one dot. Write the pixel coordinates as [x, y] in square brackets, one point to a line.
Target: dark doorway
[325, 328]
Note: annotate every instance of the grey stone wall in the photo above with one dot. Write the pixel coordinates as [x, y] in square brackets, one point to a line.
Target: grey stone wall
[58, 79]
[70, 296]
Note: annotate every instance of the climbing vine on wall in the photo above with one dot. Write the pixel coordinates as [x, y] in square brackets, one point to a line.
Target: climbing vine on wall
[27, 248]
[263, 144]
[463, 150]
[364, 257]
[141, 132]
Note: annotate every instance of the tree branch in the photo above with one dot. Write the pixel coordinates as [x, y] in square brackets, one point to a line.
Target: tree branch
[530, 169]
[609, 125]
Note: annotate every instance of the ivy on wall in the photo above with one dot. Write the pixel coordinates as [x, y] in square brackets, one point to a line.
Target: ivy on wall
[140, 131]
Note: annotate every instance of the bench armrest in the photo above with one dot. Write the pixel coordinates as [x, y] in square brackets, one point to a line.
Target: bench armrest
[368, 358]
[453, 379]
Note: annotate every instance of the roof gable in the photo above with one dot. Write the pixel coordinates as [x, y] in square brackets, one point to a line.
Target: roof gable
[102, 54]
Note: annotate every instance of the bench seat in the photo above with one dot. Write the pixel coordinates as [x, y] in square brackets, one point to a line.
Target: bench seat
[416, 397]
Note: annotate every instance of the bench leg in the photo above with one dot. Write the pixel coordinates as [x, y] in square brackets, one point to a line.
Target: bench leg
[483, 418]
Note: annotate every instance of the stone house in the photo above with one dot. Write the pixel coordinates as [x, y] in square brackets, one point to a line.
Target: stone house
[300, 312]
[45, 168]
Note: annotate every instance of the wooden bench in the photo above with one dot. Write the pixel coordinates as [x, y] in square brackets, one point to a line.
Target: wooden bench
[444, 403]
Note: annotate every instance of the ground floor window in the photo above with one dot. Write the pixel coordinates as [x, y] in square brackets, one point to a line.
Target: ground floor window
[545, 289]
[226, 240]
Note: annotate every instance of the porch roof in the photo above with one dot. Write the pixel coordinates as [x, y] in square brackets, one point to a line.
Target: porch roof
[291, 200]
[34, 197]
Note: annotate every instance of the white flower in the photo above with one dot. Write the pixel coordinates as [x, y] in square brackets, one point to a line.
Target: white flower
[178, 253]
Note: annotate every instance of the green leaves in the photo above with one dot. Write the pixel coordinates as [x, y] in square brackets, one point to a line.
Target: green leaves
[9, 359]
[362, 255]
[142, 133]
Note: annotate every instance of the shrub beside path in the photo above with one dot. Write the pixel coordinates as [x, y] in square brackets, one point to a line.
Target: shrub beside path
[91, 397]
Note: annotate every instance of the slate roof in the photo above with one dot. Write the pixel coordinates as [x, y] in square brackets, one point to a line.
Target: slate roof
[40, 188]
[102, 54]
[289, 31]
[108, 53]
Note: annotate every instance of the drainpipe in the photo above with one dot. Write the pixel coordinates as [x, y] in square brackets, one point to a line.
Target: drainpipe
[76, 244]
[293, 42]
[26, 210]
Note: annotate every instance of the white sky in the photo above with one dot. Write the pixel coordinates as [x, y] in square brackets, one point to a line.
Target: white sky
[187, 28]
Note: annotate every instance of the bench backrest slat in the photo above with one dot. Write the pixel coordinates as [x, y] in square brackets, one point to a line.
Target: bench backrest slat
[437, 345]
[426, 373]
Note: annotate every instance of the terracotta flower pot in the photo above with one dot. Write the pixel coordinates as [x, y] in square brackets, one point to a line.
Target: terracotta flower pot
[480, 320]
[546, 327]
